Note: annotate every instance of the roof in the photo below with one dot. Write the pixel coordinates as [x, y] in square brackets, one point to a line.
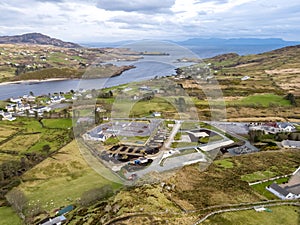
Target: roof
[285, 125]
[65, 210]
[55, 220]
[279, 189]
[295, 189]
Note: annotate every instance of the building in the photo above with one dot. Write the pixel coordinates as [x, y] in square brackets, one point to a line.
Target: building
[7, 116]
[10, 107]
[57, 99]
[22, 107]
[279, 191]
[15, 100]
[55, 221]
[245, 78]
[157, 114]
[290, 190]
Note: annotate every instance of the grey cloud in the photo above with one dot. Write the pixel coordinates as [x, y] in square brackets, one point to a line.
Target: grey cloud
[136, 5]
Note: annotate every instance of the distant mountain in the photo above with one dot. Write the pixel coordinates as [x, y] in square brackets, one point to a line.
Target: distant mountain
[237, 41]
[36, 38]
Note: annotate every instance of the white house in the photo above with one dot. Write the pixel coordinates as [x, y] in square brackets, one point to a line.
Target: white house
[57, 99]
[157, 114]
[245, 78]
[22, 107]
[7, 116]
[10, 107]
[279, 191]
[286, 127]
[15, 100]
[42, 109]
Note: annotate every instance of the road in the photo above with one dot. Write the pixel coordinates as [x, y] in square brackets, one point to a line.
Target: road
[175, 129]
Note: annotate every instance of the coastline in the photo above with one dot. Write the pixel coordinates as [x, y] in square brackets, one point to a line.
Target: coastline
[33, 81]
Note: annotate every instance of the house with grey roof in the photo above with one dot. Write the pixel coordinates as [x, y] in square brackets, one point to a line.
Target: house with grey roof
[290, 190]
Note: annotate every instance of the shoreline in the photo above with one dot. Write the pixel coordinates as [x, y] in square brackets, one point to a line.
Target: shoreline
[33, 81]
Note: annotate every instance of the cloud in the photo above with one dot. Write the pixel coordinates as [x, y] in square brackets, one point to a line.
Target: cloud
[136, 5]
[114, 20]
[212, 1]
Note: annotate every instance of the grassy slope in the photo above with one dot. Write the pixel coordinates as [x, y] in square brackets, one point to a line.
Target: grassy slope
[288, 215]
[62, 179]
[9, 217]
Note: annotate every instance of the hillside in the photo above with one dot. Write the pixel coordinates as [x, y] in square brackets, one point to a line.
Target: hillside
[34, 61]
[36, 38]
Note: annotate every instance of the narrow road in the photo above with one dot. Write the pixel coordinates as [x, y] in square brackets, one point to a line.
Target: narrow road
[175, 129]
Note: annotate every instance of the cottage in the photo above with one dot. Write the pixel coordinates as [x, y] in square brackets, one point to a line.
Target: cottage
[285, 193]
[286, 127]
[157, 114]
[10, 107]
[15, 100]
[7, 116]
[245, 78]
[57, 99]
[22, 107]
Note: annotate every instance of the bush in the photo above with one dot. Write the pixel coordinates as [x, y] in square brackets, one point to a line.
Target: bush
[92, 196]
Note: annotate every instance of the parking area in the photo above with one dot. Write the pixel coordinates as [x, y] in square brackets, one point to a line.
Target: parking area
[231, 127]
[140, 128]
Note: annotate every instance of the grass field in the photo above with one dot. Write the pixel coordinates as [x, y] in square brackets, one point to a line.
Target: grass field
[259, 175]
[32, 136]
[287, 215]
[224, 163]
[264, 100]
[9, 217]
[61, 180]
[20, 143]
[57, 123]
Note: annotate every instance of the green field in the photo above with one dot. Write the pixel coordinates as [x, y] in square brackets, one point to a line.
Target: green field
[264, 100]
[9, 217]
[28, 135]
[259, 175]
[224, 163]
[57, 123]
[287, 215]
[61, 180]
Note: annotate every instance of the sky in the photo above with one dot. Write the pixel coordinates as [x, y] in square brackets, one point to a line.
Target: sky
[116, 20]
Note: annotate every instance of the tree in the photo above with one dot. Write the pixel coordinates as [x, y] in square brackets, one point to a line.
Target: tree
[18, 201]
[291, 98]
[46, 149]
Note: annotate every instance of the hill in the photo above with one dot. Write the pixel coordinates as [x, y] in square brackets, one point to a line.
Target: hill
[36, 38]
